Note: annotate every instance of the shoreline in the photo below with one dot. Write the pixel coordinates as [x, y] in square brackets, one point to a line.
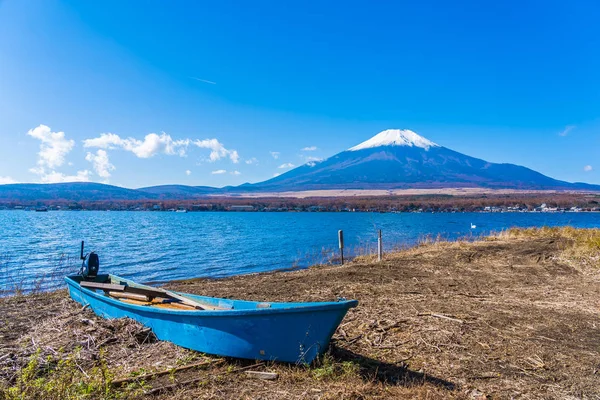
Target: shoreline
[340, 211]
[325, 256]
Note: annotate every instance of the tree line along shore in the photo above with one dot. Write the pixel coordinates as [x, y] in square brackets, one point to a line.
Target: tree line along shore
[533, 202]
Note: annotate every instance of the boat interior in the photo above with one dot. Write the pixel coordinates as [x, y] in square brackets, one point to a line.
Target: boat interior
[132, 293]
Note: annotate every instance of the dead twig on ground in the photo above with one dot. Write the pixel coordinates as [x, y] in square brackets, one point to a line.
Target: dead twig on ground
[190, 381]
[120, 382]
[460, 321]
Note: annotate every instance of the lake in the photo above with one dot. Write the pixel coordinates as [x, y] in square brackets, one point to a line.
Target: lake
[162, 246]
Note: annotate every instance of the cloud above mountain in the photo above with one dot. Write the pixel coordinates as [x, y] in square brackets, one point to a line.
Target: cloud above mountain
[101, 164]
[151, 145]
[54, 148]
[154, 144]
[59, 177]
[217, 150]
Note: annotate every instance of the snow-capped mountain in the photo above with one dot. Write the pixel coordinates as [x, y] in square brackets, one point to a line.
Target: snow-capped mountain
[403, 159]
[395, 137]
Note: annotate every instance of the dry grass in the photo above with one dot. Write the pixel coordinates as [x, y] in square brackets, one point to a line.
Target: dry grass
[582, 247]
[512, 316]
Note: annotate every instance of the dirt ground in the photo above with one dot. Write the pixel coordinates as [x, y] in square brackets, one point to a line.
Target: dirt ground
[515, 316]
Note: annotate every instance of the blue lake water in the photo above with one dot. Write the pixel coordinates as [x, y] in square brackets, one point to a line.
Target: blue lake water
[162, 246]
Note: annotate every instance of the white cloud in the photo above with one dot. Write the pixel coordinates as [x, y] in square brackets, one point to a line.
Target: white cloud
[217, 150]
[311, 158]
[188, 172]
[276, 174]
[5, 180]
[100, 162]
[106, 141]
[151, 145]
[236, 173]
[53, 151]
[234, 156]
[310, 148]
[275, 154]
[219, 172]
[587, 168]
[58, 177]
[566, 131]
[161, 144]
[54, 147]
[253, 160]
[286, 165]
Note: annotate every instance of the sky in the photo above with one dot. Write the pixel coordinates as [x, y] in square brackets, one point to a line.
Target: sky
[139, 93]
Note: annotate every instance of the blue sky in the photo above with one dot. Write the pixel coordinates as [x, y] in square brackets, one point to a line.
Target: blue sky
[226, 92]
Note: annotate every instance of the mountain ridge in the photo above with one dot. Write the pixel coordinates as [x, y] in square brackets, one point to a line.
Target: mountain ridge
[392, 159]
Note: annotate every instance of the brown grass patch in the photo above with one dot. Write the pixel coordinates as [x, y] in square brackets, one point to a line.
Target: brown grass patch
[582, 247]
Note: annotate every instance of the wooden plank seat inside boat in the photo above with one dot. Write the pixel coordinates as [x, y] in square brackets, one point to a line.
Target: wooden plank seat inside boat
[154, 297]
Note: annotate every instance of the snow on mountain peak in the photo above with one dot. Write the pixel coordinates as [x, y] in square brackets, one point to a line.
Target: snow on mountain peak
[395, 137]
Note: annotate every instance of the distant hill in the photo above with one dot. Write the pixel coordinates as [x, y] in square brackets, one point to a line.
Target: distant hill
[392, 159]
[75, 191]
[171, 191]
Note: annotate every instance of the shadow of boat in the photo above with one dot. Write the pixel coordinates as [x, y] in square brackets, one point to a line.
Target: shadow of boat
[394, 374]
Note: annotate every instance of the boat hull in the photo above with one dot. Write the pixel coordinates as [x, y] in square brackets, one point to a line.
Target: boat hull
[288, 332]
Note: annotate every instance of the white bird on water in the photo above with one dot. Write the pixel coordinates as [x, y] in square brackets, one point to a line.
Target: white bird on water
[473, 226]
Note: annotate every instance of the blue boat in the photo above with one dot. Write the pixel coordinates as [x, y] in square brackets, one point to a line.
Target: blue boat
[288, 332]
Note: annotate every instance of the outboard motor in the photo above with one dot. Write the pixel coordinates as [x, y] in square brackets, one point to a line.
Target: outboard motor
[90, 265]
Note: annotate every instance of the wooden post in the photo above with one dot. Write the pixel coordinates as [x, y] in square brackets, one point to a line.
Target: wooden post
[379, 246]
[341, 241]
